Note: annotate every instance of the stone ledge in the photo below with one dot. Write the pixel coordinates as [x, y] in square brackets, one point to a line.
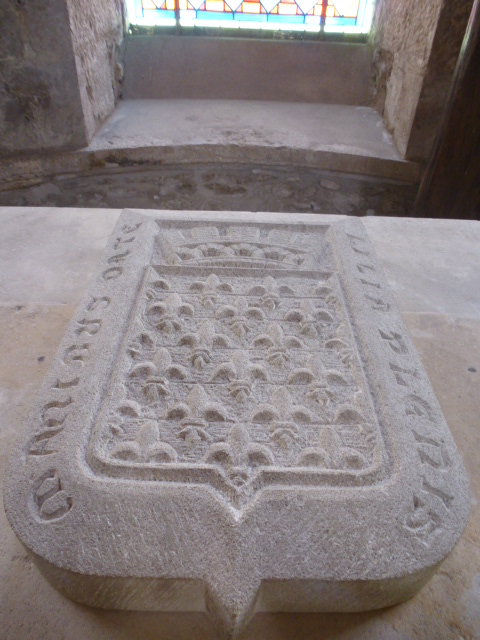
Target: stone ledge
[143, 134]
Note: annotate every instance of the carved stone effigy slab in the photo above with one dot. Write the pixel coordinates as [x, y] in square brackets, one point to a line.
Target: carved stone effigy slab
[237, 421]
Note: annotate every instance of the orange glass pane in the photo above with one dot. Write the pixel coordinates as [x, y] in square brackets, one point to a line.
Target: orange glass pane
[170, 5]
[149, 4]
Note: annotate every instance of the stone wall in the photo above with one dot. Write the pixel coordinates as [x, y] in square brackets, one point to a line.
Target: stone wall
[247, 69]
[97, 32]
[416, 48]
[404, 31]
[59, 71]
[40, 105]
[436, 83]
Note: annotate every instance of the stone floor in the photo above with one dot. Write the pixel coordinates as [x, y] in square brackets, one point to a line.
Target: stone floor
[46, 259]
[219, 187]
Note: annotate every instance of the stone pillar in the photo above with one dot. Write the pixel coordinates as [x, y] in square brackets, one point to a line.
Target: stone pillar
[417, 45]
[97, 34]
[58, 71]
[444, 53]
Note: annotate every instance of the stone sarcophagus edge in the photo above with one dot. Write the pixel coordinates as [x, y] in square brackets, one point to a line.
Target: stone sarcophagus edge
[237, 421]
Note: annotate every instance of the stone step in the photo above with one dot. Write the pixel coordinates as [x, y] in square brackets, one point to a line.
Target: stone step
[335, 137]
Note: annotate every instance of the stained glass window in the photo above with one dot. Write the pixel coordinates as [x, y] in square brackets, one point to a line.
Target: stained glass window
[294, 15]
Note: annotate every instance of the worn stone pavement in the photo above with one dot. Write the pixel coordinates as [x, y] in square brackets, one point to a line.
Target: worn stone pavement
[47, 256]
[120, 181]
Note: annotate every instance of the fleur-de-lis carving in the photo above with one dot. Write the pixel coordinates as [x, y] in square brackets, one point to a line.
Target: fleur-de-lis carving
[156, 374]
[238, 315]
[277, 344]
[202, 342]
[239, 457]
[195, 414]
[241, 373]
[144, 340]
[330, 454]
[321, 382]
[324, 290]
[348, 414]
[166, 315]
[156, 286]
[130, 408]
[209, 290]
[146, 447]
[270, 292]
[283, 417]
[309, 317]
[340, 344]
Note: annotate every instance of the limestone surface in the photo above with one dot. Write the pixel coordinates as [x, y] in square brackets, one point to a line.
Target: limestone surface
[237, 421]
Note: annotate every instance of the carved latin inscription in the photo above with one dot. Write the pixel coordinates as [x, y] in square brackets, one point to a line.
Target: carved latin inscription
[50, 500]
[430, 501]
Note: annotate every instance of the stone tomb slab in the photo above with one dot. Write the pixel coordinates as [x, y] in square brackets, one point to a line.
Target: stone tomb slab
[237, 421]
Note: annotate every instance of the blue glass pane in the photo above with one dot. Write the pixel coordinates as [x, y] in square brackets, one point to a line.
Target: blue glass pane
[213, 15]
[286, 19]
[251, 17]
[341, 21]
[138, 9]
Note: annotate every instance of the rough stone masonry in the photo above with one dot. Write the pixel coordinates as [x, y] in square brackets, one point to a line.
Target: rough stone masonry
[237, 421]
